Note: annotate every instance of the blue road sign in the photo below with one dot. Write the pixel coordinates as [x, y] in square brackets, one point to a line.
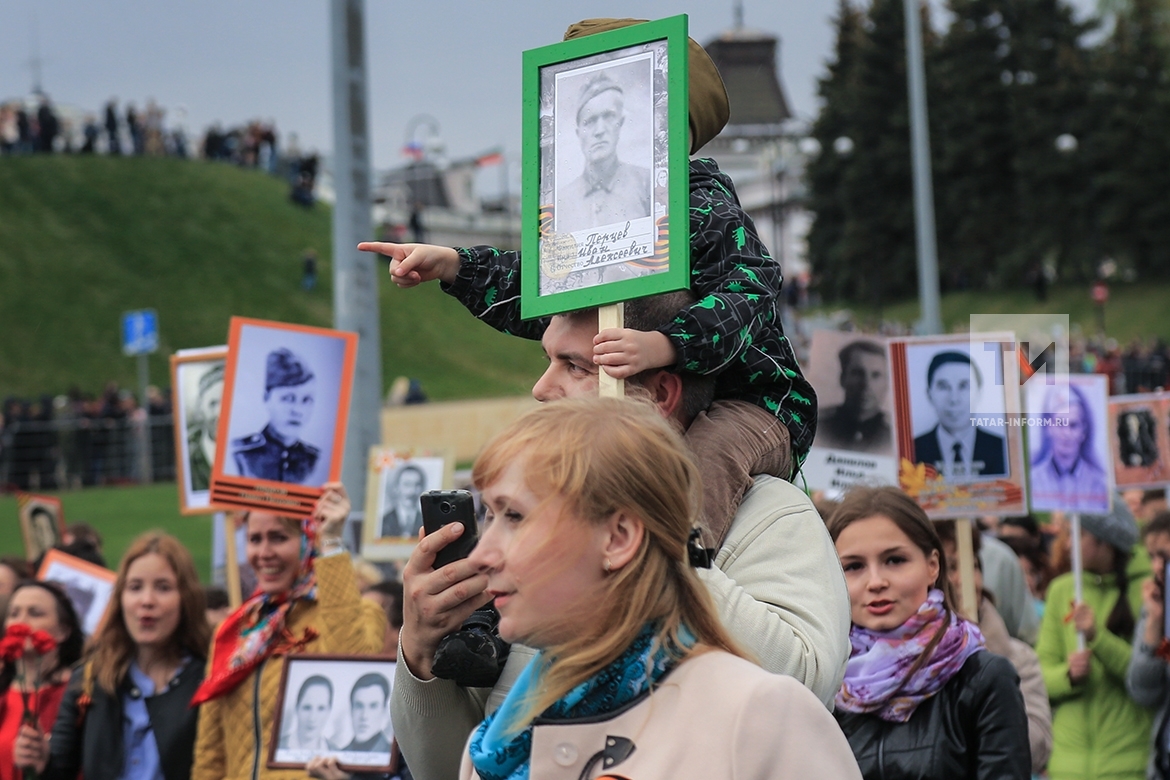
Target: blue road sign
[139, 332]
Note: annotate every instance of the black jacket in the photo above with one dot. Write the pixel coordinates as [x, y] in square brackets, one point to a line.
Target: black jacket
[975, 728]
[94, 747]
[733, 332]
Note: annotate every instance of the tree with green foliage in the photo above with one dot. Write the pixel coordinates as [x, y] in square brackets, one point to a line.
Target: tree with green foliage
[825, 172]
[865, 250]
[1127, 148]
[971, 120]
[1047, 79]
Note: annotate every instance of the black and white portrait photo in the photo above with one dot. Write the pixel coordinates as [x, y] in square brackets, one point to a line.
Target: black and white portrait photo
[87, 585]
[198, 379]
[284, 403]
[335, 706]
[854, 444]
[615, 184]
[603, 167]
[861, 420]
[1140, 438]
[42, 523]
[944, 386]
[397, 476]
[399, 512]
[1137, 438]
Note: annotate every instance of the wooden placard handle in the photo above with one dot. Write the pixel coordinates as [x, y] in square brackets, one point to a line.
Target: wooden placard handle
[964, 543]
[613, 316]
[231, 566]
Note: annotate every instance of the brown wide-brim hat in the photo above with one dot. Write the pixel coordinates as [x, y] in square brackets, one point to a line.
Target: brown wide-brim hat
[709, 106]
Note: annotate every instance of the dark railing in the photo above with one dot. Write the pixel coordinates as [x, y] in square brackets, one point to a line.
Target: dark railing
[83, 451]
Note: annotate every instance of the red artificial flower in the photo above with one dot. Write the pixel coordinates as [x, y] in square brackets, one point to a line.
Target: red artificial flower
[11, 648]
[18, 631]
[43, 642]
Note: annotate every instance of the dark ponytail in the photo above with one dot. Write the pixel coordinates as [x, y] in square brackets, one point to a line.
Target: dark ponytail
[1121, 620]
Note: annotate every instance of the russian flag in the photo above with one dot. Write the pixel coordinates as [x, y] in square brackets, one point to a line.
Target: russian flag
[491, 158]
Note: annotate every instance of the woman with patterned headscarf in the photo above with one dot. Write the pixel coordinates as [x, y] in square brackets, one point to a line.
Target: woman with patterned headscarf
[306, 601]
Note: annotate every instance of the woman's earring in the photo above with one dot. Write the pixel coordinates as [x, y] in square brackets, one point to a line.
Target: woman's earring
[607, 566]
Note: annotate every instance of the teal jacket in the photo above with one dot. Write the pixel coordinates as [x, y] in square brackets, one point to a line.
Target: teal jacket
[1098, 732]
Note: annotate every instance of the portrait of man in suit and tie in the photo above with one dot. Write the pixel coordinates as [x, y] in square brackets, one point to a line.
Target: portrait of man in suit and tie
[958, 449]
[402, 514]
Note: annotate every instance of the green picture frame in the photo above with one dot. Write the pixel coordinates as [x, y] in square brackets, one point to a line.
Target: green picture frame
[605, 169]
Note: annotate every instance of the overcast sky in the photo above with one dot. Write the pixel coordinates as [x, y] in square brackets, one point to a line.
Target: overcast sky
[456, 60]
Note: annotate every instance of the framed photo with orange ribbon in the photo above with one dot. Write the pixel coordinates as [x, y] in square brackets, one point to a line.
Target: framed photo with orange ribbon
[42, 523]
[282, 423]
[197, 379]
[1139, 432]
[958, 426]
[88, 586]
[397, 477]
[605, 168]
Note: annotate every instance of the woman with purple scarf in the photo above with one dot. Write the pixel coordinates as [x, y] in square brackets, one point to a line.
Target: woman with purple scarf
[922, 698]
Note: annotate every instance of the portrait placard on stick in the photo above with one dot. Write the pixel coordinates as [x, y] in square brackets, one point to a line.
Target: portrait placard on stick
[855, 426]
[397, 477]
[335, 706]
[605, 168]
[1068, 445]
[285, 408]
[197, 377]
[87, 585]
[1139, 432]
[42, 523]
[959, 442]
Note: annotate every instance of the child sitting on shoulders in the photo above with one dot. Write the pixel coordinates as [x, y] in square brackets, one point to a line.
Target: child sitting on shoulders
[763, 418]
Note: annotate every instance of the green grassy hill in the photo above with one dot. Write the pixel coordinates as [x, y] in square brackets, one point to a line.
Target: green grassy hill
[120, 514]
[83, 239]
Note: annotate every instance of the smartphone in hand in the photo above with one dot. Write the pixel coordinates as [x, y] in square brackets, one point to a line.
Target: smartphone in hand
[441, 507]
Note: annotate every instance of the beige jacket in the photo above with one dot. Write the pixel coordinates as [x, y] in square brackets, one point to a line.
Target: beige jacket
[777, 583]
[1027, 664]
[715, 716]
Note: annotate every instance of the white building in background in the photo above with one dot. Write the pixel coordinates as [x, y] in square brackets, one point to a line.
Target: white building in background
[760, 146]
[759, 149]
[449, 208]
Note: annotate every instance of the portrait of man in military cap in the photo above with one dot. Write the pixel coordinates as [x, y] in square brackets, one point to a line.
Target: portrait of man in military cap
[610, 191]
[202, 422]
[277, 452]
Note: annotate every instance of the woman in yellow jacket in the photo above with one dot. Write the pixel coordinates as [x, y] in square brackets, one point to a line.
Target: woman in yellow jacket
[306, 601]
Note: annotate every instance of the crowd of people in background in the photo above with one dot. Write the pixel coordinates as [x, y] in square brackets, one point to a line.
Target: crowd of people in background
[37, 126]
[611, 619]
[83, 439]
[1007, 693]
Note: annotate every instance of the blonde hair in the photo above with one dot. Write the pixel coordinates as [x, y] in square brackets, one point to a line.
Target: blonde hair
[601, 456]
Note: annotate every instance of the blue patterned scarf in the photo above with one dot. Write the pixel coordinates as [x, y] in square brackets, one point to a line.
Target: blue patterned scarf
[500, 755]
